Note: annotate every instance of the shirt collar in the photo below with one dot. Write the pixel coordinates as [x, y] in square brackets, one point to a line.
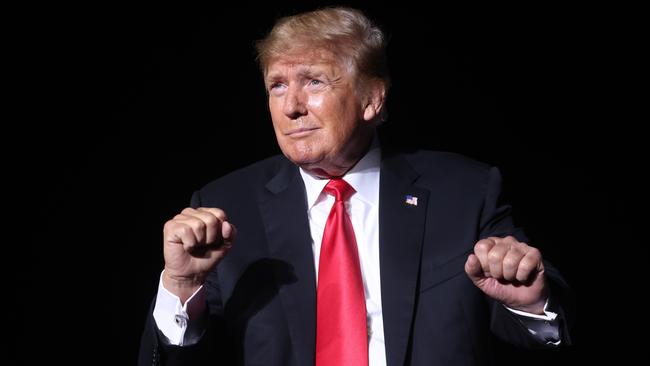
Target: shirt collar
[363, 177]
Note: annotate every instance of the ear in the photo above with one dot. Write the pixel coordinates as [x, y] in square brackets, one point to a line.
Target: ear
[375, 96]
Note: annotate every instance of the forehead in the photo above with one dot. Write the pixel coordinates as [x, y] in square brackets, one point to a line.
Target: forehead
[304, 60]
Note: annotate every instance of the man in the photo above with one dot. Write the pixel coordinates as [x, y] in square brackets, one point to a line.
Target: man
[341, 252]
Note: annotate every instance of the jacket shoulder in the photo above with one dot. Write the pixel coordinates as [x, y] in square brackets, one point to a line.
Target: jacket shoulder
[446, 163]
[245, 180]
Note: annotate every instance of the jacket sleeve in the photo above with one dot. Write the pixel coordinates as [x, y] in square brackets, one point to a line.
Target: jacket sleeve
[496, 220]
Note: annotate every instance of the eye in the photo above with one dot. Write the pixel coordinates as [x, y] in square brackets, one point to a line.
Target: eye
[315, 82]
[275, 86]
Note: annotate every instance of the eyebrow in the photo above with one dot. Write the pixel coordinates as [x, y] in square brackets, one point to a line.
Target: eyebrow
[307, 71]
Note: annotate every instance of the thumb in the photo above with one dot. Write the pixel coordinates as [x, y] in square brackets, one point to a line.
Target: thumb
[473, 268]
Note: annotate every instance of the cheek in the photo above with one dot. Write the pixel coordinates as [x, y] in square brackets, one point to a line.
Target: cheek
[345, 124]
[276, 113]
[315, 102]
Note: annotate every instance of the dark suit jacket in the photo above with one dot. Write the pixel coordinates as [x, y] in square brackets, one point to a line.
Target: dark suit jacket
[262, 296]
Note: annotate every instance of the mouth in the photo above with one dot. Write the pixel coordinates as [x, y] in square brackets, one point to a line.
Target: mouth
[300, 132]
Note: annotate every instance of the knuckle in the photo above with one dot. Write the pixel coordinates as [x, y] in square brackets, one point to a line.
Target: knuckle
[502, 247]
[188, 211]
[527, 265]
[494, 255]
[509, 262]
[221, 214]
[492, 240]
[495, 240]
[482, 245]
[216, 212]
[198, 225]
[184, 230]
[169, 225]
[210, 221]
[534, 252]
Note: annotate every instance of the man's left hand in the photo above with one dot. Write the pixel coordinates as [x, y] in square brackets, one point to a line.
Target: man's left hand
[510, 272]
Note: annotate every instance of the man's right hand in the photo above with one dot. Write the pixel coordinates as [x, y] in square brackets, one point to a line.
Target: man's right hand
[194, 242]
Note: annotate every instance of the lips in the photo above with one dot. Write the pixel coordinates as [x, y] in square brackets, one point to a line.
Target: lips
[300, 132]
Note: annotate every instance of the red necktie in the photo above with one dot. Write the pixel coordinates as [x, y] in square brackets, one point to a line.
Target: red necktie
[341, 329]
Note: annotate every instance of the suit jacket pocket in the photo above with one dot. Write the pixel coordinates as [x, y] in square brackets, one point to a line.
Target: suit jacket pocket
[433, 275]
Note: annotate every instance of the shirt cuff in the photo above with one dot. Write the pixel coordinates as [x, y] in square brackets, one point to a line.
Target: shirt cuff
[548, 315]
[545, 327]
[181, 324]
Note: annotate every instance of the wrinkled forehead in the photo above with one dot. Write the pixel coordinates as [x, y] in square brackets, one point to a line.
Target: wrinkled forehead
[303, 57]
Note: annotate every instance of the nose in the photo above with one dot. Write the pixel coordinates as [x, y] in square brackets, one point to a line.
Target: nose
[295, 103]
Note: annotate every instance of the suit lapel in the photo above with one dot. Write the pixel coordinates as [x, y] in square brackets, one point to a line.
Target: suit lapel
[401, 228]
[284, 211]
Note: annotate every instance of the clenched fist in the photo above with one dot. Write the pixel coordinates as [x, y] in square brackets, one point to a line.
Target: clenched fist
[510, 272]
[194, 242]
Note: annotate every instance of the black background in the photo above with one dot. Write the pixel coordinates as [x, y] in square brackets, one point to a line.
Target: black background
[130, 109]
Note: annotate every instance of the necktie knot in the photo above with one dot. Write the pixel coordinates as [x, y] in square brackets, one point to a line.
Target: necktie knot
[340, 189]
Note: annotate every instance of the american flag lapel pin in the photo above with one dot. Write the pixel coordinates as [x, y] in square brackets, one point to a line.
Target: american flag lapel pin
[411, 200]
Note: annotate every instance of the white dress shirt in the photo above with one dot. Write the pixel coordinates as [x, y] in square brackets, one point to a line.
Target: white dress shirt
[363, 209]
[183, 324]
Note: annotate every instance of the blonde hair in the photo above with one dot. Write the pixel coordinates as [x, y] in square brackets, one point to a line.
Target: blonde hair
[346, 32]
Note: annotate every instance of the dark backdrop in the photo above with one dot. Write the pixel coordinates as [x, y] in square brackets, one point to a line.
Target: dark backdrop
[135, 108]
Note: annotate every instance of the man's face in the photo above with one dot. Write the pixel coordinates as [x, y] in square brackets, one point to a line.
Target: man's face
[317, 113]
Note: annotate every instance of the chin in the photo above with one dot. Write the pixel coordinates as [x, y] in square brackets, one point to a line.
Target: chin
[315, 165]
[301, 154]
[303, 160]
